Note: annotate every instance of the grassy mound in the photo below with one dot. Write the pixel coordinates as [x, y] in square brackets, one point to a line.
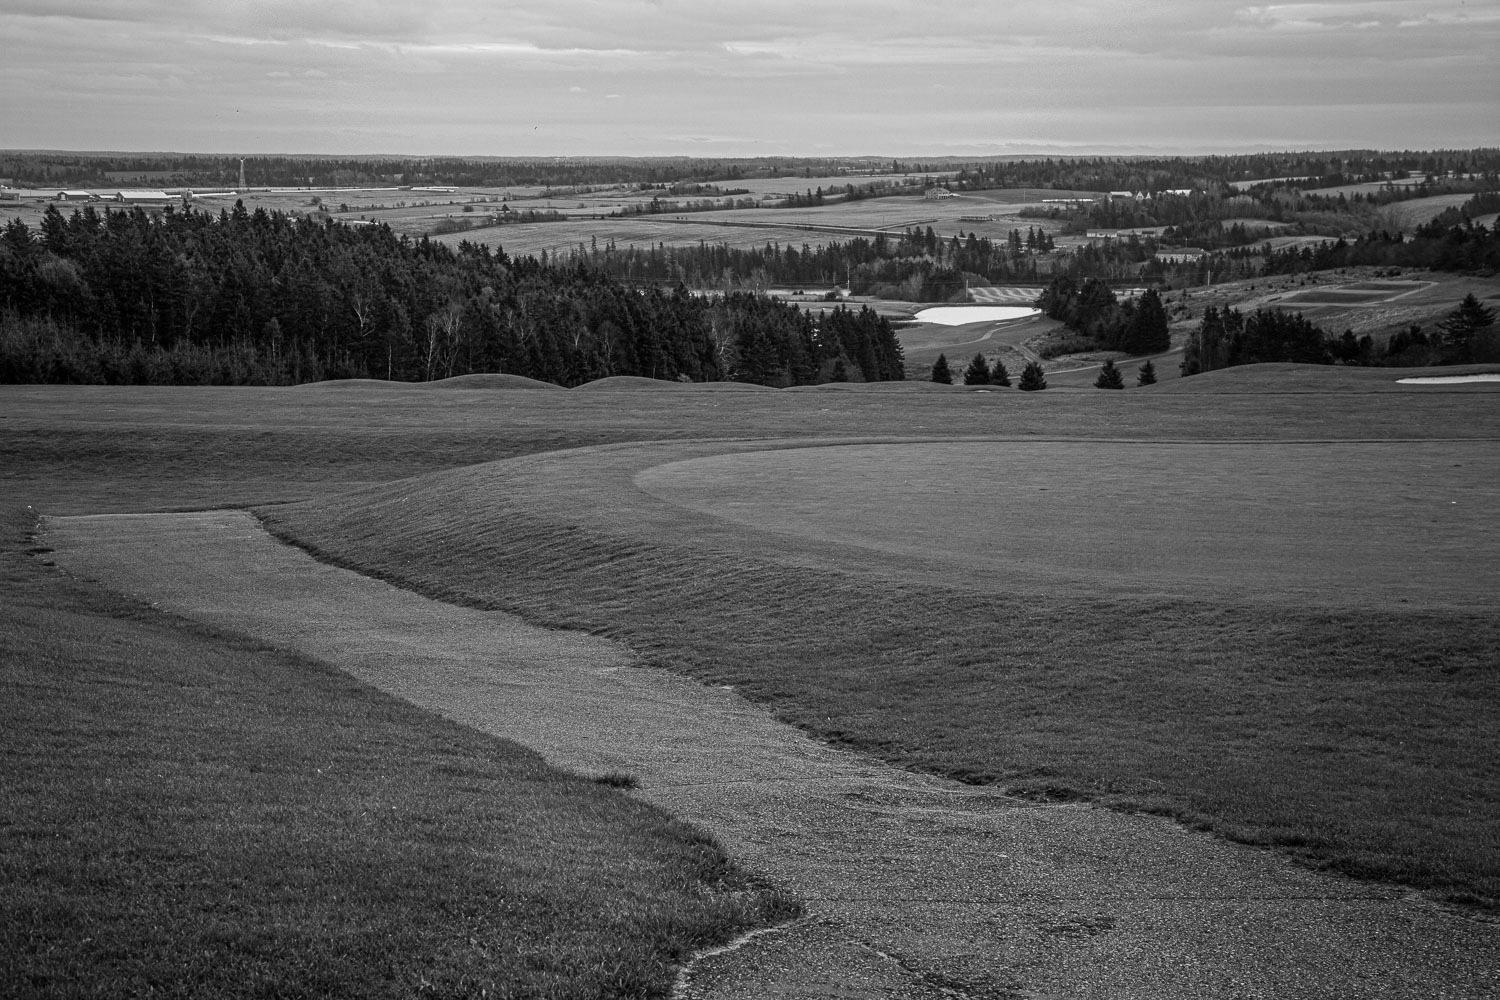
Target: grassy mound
[488, 381]
[1356, 738]
[628, 383]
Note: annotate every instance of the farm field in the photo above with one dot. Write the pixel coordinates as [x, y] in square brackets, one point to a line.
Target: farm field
[417, 213]
[1361, 299]
[1140, 677]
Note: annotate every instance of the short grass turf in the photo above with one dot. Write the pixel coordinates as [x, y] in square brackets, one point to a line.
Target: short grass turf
[187, 814]
[1355, 736]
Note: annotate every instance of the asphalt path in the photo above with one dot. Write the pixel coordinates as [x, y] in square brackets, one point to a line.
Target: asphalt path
[916, 887]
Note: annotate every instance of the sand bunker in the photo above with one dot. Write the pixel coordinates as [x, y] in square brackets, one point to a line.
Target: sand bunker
[1449, 379]
[961, 315]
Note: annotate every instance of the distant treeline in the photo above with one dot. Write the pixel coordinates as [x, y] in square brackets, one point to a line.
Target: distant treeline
[1082, 173]
[44, 169]
[263, 298]
[1152, 175]
[919, 266]
[915, 266]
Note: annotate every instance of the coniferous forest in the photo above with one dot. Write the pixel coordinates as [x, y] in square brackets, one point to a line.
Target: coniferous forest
[188, 297]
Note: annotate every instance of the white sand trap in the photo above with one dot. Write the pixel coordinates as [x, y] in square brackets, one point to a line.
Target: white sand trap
[916, 887]
[960, 315]
[1449, 379]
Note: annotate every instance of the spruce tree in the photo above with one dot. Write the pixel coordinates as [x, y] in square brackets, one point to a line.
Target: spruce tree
[1459, 326]
[940, 372]
[1146, 375]
[998, 374]
[1032, 377]
[978, 372]
[1109, 377]
[1148, 332]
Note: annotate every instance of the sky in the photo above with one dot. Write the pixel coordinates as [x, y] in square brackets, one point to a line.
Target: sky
[747, 77]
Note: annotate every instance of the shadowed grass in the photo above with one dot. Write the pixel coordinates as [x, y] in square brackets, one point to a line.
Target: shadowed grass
[191, 814]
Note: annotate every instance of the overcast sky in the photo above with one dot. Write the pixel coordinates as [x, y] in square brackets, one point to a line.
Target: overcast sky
[742, 78]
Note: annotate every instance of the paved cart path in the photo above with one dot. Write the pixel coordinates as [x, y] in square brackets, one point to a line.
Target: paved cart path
[916, 887]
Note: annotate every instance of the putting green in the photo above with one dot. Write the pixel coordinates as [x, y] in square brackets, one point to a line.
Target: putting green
[1408, 522]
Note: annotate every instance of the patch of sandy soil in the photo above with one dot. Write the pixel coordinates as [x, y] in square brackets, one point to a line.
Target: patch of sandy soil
[915, 887]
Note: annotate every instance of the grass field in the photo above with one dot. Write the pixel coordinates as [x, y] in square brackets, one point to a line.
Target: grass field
[1361, 299]
[188, 814]
[1354, 733]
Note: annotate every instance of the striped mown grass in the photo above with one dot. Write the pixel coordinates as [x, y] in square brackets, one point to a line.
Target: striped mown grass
[1357, 738]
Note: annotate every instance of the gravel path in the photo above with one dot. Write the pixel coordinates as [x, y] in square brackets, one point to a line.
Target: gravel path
[916, 887]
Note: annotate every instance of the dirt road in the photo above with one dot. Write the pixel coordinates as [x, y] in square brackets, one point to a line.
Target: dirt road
[915, 887]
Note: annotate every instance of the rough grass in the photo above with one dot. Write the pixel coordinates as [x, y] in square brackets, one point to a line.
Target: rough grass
[187, 814]
[1355, 737]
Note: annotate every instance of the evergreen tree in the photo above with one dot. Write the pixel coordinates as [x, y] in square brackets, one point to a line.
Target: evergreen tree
[1148, 331]
[1459, 326]
[998, 374]
[1109, 377]
[1146, 375]
[1032, 377]
[978, 372]
[940, 371]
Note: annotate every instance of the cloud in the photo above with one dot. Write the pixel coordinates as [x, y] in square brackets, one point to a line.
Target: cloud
[804, 75]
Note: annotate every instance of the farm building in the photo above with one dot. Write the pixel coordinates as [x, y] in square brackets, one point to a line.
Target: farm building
[77, 196]
[938, 193]
[143, 197]
[1182, 255]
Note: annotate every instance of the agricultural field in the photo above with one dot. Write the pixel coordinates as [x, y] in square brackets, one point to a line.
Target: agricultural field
[1365, 300]
[419, 213]
[1260, 602]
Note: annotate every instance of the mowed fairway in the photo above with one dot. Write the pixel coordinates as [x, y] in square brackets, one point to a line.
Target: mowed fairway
[1325, 522]
[1290, 641]
[1348, 723]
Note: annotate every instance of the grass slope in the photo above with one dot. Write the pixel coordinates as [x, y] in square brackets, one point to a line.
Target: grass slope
[188, 814]
[1357, 738]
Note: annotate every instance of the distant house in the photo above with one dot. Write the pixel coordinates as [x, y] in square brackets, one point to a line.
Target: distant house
[77, 196]
[1182, 255]
[938, 194]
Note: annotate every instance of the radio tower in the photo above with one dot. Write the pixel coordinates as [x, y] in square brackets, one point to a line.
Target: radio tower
[242, 175]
